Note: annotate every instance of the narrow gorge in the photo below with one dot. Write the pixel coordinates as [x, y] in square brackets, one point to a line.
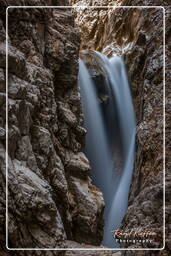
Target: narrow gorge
[85, 128]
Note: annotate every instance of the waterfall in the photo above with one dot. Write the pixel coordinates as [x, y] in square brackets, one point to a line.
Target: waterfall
[110, 140]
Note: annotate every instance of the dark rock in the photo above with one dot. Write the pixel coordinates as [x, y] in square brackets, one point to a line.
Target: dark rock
[2, 80]
[78, 165]
[66, 114]
[86, 215]
[137, 34]
[45, 123]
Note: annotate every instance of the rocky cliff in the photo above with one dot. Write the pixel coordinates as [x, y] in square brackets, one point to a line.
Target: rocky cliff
[137, 34]
[51, 201]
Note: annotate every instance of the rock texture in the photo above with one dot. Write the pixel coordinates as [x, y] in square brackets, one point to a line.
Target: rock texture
[51, 201]
[137, 34]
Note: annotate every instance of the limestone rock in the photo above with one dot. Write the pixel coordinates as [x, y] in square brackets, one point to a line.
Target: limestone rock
[89, 206]
[137, 34]
[78, 165]
[44, 124]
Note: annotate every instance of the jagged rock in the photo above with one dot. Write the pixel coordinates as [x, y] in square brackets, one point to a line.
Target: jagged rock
[34, 204]
[41, 139]
[2, 80]
[16, 60]
[25, 153]
[66, 114]
[97, 72]
[89, 206]
[78, 165]
[45, 123]
[13, 135]
[81, 133]
[2, 133]
[137, 34]
[24, 117]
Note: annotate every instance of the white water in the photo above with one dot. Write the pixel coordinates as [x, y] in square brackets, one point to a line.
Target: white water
[110, 139]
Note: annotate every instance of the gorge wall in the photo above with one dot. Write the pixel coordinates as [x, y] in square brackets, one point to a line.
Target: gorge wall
[51, 201]
[137, 35]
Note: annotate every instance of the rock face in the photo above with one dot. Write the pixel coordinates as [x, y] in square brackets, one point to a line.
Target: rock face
[97, 31]
[51, 201]
[137, 34]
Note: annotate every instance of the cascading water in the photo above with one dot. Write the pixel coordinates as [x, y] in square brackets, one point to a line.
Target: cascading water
[110, 141]
[96, 143]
